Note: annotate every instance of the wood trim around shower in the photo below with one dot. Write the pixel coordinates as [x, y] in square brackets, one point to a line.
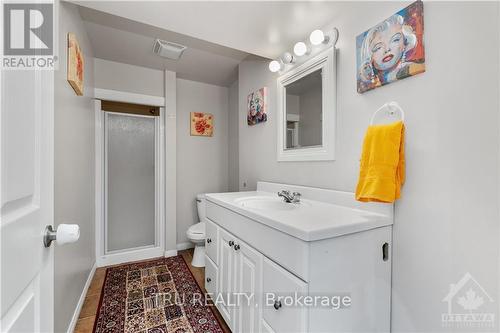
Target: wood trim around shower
[130, 108]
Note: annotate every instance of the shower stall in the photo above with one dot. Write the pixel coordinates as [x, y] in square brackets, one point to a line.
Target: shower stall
[129, 145]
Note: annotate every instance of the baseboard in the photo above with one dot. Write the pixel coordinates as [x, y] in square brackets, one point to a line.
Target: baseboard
[129, 256]
[184, 246]
[170, 253]
[179, 247]
[79, 305]
[142, 254]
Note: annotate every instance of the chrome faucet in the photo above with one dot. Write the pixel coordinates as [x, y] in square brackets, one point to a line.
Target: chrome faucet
[289, 197]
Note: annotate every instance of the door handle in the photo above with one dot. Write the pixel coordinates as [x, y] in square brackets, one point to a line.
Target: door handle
[385, 251]
[65, 233]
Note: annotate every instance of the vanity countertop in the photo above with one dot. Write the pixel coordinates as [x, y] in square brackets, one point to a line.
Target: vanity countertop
[308, 220]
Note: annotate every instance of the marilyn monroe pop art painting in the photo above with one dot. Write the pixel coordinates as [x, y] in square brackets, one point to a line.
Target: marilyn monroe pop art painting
[392, 50]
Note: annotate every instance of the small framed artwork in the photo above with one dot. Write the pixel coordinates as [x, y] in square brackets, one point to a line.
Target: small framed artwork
[391, 50]
[257, 107]
[75, 64]
[202, 124]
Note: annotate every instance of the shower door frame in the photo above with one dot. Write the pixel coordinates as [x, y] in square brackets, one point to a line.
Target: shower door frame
[104, 257]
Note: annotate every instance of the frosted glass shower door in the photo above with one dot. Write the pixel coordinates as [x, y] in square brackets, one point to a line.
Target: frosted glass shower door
[130, 181]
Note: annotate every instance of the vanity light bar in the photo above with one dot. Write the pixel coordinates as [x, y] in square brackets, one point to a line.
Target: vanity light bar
[317, 37]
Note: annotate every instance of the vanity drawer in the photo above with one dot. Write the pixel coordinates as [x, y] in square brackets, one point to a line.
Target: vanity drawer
[211, 240]
[211, 275]
[280, 282]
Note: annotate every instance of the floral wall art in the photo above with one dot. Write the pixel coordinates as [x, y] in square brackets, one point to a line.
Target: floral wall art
[202, 124]
[392, 50]
[257, 107]
[75, 64]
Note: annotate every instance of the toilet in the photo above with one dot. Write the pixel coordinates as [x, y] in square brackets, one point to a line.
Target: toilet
[196, 234]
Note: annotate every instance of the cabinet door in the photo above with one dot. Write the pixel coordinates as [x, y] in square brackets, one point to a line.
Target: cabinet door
[211, 277]
[211, 246]
[227, 269]
[248, 287]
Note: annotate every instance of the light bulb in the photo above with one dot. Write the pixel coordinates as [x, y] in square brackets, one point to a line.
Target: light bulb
[300, 49]
[274, 66]
[317, 37]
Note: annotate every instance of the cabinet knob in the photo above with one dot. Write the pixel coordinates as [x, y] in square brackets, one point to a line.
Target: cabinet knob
[209, 240]
[209, 280]
[277, 305]
[236, 247]
[231, 243]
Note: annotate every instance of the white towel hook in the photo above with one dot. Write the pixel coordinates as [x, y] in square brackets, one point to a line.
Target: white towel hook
[391, 107]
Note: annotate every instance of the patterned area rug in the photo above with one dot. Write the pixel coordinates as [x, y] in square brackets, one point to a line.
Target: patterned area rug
[156, 296]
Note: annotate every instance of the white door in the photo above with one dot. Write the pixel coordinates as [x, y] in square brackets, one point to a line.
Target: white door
[130, 174]
[248, 287]
[27, 126]
[227, 277]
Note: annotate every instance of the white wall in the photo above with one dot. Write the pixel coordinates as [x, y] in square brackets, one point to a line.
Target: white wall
[202, 162]
[128, 78]
[447, 221]
[233, 138]
[74, 172]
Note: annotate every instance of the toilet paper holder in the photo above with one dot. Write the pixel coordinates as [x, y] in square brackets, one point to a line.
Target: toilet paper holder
[65, 233]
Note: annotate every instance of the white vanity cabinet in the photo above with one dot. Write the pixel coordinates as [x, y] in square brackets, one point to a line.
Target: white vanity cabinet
[246, 273]
[267, 257]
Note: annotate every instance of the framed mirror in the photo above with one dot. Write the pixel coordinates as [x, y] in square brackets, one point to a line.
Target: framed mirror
[306, 110]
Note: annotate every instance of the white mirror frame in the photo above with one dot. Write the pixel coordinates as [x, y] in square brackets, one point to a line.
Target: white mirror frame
[326, 61]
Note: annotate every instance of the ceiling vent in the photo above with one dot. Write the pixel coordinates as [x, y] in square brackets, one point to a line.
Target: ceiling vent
[168, 49]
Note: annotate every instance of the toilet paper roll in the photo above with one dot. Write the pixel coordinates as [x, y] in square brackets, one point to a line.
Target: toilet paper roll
[67, 233]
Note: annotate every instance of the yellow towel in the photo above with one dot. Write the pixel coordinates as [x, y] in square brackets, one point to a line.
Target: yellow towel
[382, 168]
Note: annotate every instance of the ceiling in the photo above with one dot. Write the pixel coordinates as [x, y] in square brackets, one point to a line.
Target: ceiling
[263, 28]
[219, 34]
[118, 39]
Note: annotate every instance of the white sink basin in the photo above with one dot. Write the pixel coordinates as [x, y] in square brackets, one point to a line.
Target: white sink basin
[265, 203]
[320, 214]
